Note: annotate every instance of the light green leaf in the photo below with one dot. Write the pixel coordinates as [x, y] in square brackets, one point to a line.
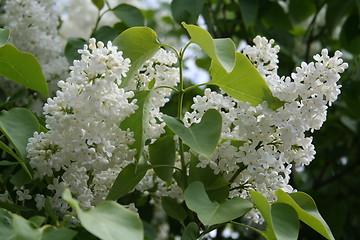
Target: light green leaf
[4, 36]
[221, 51]
[22, 68]
[129, 14]
[98, 3]
[307, 211]
[244, 83]
[202, 137]
[108, 220]
[281, 219]
[186, 10]
[139, 44]
[162, 152]
[174, 209]
[127, 179]
[53, 233]
[191, 232]
[285, 221]
[212, 212]
[18, 125]
[138, 121]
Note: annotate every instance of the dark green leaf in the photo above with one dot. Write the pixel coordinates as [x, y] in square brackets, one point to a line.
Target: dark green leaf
[191, 232]
[350, 34]
[307, 211]
[274, 16]
[53, 233]
[105, 34]
[127, 179]
[139, 44]
[72, 47]
[249, 11]
[174, 209]
[108, 220]
[244, 83]
[98, 3]
[22, 68]
[186, 10]
[138, 121]
[300, 10]
[202, 137]
[162, 152]
[4, 36]
[221, 51]
[212, 212]
[336, 10]
[130, 15]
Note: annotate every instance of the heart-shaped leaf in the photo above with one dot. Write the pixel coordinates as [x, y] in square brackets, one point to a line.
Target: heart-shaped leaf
[202, 137]
[174, 209]
[139, 44]
[162, 152]
[22, 68]
[212, 212]
[130, 15]
[108, 220]
[244, 83]
[191, 232]
[281, 219]
[307, 211]
[221, 51]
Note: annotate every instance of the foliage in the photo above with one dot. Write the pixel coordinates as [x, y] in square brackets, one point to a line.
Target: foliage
[176, 162]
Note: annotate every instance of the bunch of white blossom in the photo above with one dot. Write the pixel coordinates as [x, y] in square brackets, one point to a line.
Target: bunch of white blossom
[258, 145]
[84, 148]
[34, 28]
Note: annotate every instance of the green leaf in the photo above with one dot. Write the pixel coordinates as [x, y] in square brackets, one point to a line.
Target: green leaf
[4, 36]
[129, 14]
[105, 34]
[306, 208]
[174, 209]
[191, 232]
[53, 233]
[350, 34]
[249, 11]
[221, 51]
[98, 3]
[336, 10]
[138, 121]
[186, 10]
[212, 212]
[244, 83]
[22, 68]
[127, 179]
[139, 44]
[274, 16]
[108, 220]
[202, 137]
[72, 47]
[300, 10]
[215, 185]
[285, 221]
[18, 125]
[162, 152]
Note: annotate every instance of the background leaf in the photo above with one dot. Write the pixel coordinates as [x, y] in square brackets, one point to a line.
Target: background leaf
[139, 44]
[22, 68]
[72, 47]
[108, 220]
[202, 137]
[186, 10]
[129, 14]
[4, 36]
[244, 83]
[98, 3]
[191, 232]
[249, 10]
[212, 212]
[174, 209]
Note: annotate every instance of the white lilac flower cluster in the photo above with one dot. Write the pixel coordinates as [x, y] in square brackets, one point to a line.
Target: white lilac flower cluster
[34, 29]
[267, 142]
[84, 148]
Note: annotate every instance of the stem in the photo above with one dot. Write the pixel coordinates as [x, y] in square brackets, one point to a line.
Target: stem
[172, 88]
[211, 229]
[252, 228]
[242, 167]
[195, 86]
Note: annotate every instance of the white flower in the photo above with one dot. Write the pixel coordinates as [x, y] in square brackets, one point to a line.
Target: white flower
[23, 195]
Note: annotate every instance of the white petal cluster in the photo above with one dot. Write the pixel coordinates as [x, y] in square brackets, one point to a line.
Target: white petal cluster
[266, 143]
[84, 149]
[34, 29]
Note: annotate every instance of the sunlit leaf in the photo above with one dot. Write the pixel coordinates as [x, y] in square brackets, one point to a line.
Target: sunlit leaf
[244, 83]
